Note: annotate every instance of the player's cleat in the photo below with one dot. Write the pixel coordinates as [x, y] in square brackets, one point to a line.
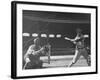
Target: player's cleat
[70, 64]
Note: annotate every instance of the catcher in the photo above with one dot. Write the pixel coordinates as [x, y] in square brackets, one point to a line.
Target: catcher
[32, 56]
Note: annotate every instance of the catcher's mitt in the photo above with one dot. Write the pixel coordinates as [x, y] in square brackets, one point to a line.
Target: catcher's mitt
[46, 48]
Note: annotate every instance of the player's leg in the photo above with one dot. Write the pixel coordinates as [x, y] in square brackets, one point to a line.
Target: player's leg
[86, 56]
[28, 65]
[76, 57]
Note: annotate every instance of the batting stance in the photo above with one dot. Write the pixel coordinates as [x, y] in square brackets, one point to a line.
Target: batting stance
[80, 48]
[32, 56]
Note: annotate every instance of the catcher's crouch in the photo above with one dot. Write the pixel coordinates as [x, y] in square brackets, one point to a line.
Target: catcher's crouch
[32, 56]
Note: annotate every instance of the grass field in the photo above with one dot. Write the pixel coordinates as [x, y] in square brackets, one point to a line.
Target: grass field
[62, 61]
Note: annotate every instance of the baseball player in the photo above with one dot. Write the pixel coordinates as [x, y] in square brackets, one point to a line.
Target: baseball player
[80, 48]
[32, 56]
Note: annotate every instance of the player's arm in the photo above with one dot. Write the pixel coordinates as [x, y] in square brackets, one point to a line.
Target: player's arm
[74, 40]
[39, 52]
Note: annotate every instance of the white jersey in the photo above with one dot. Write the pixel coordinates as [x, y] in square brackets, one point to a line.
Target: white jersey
[79, 42]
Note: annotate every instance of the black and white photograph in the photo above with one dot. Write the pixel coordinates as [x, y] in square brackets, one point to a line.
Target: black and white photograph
[54, 39]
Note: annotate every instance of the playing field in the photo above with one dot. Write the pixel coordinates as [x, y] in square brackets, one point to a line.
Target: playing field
[62, 61]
